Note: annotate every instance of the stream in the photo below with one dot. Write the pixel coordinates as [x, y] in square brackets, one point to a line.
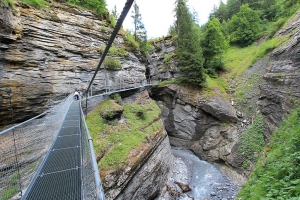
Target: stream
[206, 181]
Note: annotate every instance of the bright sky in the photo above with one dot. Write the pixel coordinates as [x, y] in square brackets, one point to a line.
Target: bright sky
[158, 15]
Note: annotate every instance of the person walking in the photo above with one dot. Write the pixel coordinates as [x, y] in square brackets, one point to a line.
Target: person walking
[76, 95]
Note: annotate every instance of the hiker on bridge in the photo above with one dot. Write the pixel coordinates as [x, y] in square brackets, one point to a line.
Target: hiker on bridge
[76, 95]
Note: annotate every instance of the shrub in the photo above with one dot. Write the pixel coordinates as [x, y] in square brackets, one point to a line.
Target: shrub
[37, 3]
[140, 112]
[112, 21]
[109, 110]
[120, 51]
[112, 64]
[277, 174]
[98, 6]
[252, 140]
[145, 47]
[115, 141]
[9, 3]
[168, 57]
[10, 192]
[130, 41]
[117, 97]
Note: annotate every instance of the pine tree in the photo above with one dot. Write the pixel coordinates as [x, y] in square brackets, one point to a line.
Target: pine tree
[189, 51]
[221, 13]
[115, 13]
[233, 7]
[195, 16]
[213, 45]
[140, 33]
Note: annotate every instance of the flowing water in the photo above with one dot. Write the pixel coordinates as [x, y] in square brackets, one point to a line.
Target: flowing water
[205, 180]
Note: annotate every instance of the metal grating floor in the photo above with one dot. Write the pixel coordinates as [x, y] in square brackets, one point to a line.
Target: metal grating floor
[59, 176]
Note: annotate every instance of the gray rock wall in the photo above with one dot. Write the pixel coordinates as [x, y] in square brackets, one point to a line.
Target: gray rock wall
[206, 126]
[152, 176]
[45, 54]
[281, 90]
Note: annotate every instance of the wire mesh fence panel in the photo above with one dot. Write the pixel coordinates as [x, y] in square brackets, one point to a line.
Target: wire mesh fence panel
[91, 183]
[23, 147]
[88, 180]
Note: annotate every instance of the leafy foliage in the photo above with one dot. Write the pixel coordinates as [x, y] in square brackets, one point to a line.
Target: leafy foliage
[112, 64]
[252, 140]
[168, 57]
[277, 173]
[98, 6]
[117, 97]
[140, 33]
[115, 13]
[244, 26]
[213, 45]
[9, 3]
[237, 59]
[189, 51]
[35, 3]
[115, 142]
[9, 193]
[130, 41]
[112, 21]
[214, 85]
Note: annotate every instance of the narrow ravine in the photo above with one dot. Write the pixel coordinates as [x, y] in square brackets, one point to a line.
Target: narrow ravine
[205, 180]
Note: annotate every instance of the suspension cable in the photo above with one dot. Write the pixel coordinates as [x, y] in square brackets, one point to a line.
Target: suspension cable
[112, 37]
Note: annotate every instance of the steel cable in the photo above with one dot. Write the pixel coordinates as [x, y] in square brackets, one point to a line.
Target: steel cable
[112, 37]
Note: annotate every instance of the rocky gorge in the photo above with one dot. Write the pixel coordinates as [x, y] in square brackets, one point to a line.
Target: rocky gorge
[46, 54]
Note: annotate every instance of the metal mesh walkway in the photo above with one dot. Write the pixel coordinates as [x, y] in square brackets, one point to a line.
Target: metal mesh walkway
[59, 176]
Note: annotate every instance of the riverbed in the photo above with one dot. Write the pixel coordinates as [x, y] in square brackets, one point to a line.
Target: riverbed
[205, 180]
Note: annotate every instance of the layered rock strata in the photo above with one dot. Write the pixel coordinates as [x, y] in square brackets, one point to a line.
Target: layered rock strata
[46, 54]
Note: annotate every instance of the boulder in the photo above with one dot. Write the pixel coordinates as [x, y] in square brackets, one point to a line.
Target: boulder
[219, 107]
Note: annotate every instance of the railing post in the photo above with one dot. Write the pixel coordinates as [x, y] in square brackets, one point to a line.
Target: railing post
[92, 90]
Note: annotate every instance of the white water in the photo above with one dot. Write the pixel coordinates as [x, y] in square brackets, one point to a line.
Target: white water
[205, 180]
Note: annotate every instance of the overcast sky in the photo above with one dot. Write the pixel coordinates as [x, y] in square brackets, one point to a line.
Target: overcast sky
[157, 15]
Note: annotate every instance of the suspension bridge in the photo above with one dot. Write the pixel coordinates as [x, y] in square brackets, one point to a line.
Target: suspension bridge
[51, 156]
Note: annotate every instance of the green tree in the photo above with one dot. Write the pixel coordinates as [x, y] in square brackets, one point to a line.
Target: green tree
[232, 7]
[213, 45]
[254, 4]
[221, 12]
[140, 33]
[269, 9]
[189, 51]
[195, 16]
[172, 30]
[244, 26]
[115, 13]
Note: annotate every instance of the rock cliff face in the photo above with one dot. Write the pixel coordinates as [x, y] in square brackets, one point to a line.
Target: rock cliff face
[212, 126]
[206, 126]
[151, 177]
[148, 166]
[281, 90]
[161, 65]
[45, 54]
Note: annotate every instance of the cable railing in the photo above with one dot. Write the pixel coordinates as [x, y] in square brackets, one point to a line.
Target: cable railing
[23, 147]
[120, 84]
[91, 182]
